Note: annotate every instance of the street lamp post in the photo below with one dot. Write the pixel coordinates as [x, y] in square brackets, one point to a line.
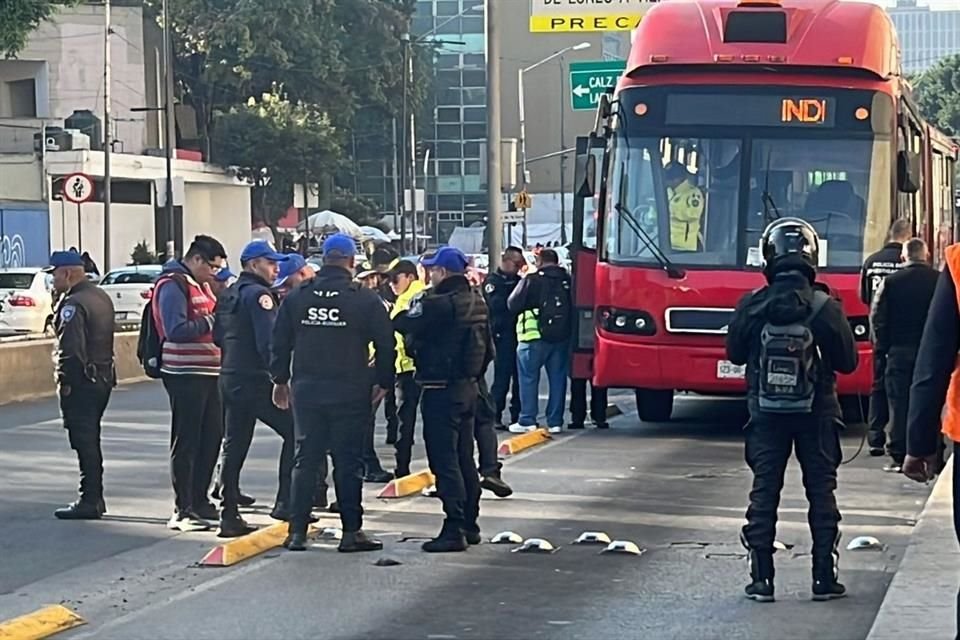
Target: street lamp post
[524, 178]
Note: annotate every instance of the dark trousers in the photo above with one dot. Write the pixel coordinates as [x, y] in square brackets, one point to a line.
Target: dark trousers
[879, 414]
[391, 411]
[448, 424]
[898, 377]
[197, 429]
[245, 401]
[505, 377]
[484, 432]
[409, 395]
[768, 445]
[338, 429]
[371, 463]
[82, 412]
[578, 402]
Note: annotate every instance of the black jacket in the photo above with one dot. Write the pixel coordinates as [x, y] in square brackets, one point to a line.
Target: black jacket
[245, 314]
[84, 323]
[877, 267]
[326, 326]
[447, 331]
[900, 307]
[936, 361]
[529, 295]
[785, 300]
[497, 288]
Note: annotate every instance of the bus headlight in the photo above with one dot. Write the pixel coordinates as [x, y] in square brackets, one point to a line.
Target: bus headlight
[638, 323]
[860, 325]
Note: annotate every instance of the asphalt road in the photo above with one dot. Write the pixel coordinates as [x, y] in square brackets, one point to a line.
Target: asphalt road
[677, 490]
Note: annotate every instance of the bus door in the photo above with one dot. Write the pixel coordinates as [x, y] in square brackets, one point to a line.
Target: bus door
[584, 251]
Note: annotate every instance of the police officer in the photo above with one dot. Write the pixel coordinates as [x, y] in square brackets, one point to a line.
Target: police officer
[447, 329]
[245, 314]
[899, 313]
[875, 268]
[793, 337]
[497, 288]
[85, 375]
[325, 327]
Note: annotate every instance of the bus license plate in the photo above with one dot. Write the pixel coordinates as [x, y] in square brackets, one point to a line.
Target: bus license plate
[726, 369]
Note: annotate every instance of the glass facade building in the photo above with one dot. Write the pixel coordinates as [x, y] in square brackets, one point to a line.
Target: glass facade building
[926, 35]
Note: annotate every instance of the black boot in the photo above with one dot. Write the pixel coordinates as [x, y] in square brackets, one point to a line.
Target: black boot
[282, 513]
[472, 536]
[761, 587]
[825, 574]
[80, 510]
[378, 477]
[354, 541]
[495, 484]
[450, 540]
[296, 539]
[233, 526]
[392, 436]
[246, 501]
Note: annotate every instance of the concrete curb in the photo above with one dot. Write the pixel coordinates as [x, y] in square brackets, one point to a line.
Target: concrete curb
[408, 485]
[41, 623]
[516, 444]
[921, 601]
[245, 547]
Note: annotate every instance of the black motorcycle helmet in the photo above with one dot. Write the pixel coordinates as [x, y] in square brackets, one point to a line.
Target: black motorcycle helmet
[790, 244]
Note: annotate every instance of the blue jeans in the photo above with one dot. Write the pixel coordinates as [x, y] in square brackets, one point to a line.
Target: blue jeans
[531, 357]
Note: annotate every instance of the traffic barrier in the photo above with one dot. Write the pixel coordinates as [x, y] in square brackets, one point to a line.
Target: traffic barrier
[516, 444]
[41, 623]
[26, 368]
[408, 485]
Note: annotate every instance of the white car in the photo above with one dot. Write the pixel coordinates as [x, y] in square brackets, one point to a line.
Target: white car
[130, 289]
[26, 301]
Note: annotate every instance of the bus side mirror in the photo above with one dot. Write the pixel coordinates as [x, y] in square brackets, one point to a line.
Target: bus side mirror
[908, 172]
[587, 187]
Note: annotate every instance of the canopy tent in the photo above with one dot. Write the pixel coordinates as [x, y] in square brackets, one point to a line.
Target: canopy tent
[327, 221]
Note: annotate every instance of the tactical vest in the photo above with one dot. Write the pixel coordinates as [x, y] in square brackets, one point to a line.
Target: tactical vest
[528, 325]
[238, 341]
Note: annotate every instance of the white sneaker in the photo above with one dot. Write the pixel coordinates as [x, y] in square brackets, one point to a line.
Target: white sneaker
[187, 523]
[516, 427]
[555, 429]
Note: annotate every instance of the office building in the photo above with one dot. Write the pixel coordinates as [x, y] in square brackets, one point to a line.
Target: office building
[926, 35]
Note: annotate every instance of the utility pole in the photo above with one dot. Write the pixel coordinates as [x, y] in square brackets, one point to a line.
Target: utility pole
[405, 39]
[169, 126]
[396, 181]
[413, 159]
[494, 213]
[107, 138]
[563, 162]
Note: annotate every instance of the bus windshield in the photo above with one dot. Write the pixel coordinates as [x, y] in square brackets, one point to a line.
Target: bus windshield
[701, 195]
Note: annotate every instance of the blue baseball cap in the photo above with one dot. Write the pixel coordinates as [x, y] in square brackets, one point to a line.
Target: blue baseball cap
[339, 244]
[260, 249]
[224, 275]
[64, 259]
[449, 258]
[294, 263]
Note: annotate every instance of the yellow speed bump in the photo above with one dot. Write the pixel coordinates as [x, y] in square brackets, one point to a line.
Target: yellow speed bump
[408, 485]
[42, 623]
[248, 546]
[516, 444]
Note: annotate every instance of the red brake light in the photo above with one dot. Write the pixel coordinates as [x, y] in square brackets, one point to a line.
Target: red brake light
[146, 294]
[22, 301]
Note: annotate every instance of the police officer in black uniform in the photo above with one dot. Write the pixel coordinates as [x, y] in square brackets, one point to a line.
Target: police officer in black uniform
[448, 332]
[326, 326]
[875, 268]
[85, 374]
[497, 288]
[900, 308]
[793, 338]
[245, 315]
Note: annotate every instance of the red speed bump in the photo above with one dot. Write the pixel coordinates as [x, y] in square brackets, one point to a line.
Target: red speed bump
[408, 485]
[516, 444]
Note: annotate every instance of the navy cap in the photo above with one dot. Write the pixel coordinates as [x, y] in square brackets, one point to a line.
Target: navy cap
[260, 249]
[64, 259]
[449, 258]
[339, 244]
[224, 275]
[294, 263]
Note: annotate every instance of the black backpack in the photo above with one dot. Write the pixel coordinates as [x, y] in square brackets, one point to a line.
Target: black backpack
[149, 343]
[790, 363]
[556, 308]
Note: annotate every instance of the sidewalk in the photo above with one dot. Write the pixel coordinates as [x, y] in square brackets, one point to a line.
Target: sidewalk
[921, 600]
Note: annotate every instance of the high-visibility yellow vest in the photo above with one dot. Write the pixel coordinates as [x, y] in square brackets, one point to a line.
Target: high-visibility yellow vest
[405, 362]
[528, 325]
[686, 208]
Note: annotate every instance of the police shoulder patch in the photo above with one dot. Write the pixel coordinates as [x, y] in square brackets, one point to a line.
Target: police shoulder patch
[67, 312]
[489, 288]
[266, 301]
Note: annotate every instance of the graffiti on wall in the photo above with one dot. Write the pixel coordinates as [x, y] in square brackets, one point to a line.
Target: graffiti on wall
[12, 252]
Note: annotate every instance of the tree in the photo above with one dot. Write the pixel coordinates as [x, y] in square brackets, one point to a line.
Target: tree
[363, 211]
[938, 94]
[19, 18]
[275, 143]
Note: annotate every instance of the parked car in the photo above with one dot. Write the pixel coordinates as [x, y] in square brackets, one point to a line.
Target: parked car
[26, 301]
[130, 288]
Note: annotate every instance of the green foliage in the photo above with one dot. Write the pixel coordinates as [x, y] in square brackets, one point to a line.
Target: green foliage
[938, 94]
[361, 210]
[142, 255]
[18, 19]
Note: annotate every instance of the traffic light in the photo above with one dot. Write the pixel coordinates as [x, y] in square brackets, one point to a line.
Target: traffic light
[523, 200]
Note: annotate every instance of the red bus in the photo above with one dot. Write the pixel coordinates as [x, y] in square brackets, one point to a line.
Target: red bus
[764, 109]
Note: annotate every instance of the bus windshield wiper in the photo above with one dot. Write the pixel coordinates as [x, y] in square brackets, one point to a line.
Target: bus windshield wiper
[767, 199]
[671, 269]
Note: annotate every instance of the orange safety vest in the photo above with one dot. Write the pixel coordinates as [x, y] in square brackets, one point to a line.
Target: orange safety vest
[951, 417]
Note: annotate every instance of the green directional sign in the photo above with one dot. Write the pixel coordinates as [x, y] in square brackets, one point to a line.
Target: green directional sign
[590, 80]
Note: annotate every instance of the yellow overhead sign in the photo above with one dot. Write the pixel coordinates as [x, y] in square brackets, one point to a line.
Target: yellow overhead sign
[565, 16]
[570, 24]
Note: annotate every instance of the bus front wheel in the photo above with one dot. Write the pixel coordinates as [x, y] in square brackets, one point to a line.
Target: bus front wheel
[654, 405]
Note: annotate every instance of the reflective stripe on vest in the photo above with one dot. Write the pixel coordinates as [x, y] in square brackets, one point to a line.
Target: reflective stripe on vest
[951, 417]
[528, 325]
[199, 356]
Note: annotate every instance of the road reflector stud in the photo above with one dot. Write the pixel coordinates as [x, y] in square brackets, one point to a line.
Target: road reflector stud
[408, 485]
[507, 537]
[781, 546]
[623, 547]
[331, 533]
[430, 492]
[516, 444]
[865, 543]
[41, 623]
[592, 537]
[536, 545]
